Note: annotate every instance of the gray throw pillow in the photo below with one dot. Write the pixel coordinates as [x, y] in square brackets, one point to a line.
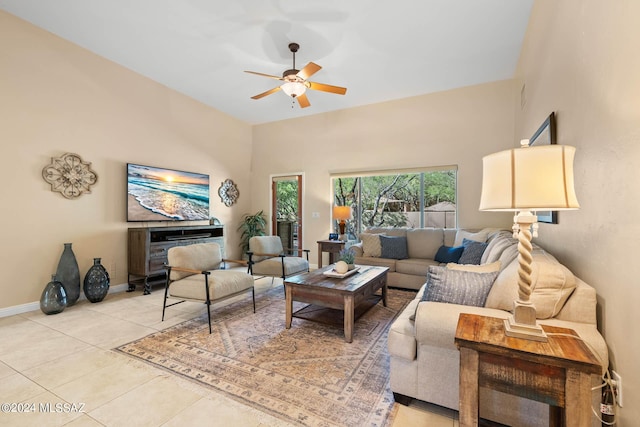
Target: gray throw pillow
[394, 247]
[472, 253]
[458, 287]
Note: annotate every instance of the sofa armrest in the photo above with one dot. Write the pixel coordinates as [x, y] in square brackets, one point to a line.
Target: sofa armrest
[357, 249]
[401, 340]
[436, 322]
[581, 305]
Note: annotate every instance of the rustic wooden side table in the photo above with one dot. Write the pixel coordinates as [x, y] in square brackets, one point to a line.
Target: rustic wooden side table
[557, 372]
[331, 246]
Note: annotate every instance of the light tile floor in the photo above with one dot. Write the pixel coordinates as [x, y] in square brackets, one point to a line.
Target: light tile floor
[59, 370]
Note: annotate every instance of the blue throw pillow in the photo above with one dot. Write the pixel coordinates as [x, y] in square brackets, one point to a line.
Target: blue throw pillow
[449, 253]
[394, 247]
[472, 253]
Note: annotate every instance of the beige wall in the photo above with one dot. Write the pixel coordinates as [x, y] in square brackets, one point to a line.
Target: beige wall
[455, 127]
[580, 59]
[57, 98]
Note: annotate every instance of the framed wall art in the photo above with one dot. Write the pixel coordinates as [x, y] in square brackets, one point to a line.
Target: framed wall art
[545, 135]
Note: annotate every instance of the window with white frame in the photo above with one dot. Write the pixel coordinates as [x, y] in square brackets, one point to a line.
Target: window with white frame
[397, 198]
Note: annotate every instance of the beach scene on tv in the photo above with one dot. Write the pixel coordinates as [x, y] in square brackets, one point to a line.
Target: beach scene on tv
[159, 194]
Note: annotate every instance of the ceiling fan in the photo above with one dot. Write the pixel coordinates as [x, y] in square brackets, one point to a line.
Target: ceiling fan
[296, 83]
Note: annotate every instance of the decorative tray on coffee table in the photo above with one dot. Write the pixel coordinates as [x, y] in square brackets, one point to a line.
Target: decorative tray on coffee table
[333, 273]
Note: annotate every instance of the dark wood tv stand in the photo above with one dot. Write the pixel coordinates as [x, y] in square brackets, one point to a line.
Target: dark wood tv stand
[148, 246]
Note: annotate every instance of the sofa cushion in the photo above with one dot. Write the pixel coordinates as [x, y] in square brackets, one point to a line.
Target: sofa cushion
[494, 249]
[273, 266]
[457, 286]
[552, 284]
[222, 283]
[376, 261]
[483, 268]
[388, 231]
[415, 266]
[424, 242]
[472, 253]
[394, 247]
[479, 236]
[508, 255]
[448, 253]
[496, 233]
[371, 244]
[449, 236]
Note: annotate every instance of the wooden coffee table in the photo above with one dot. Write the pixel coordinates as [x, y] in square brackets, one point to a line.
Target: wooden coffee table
[345, 294]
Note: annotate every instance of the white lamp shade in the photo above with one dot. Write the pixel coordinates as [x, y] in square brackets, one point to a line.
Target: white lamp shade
[529, 178]
[341, 212]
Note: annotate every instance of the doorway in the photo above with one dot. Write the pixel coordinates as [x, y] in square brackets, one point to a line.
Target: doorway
[286, 211]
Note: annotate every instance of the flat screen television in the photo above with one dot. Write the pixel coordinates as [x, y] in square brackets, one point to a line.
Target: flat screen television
[160, 194]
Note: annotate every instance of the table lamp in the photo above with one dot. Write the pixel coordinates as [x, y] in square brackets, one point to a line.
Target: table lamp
[525, 180]
[342, 214]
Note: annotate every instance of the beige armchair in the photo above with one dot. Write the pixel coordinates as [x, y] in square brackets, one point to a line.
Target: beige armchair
[194, 274]
[267, 257]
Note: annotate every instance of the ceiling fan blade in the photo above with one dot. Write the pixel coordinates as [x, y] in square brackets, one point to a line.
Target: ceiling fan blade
[308, 70]
[269, 92]
[303, 100]
[328, 88]
[264, 75]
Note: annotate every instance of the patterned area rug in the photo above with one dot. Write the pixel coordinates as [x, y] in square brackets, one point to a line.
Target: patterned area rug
[307, 375]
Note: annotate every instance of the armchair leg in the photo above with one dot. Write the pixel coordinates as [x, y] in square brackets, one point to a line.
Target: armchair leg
[253, 295]
[208, 302]
[284, 276]
[166, 290]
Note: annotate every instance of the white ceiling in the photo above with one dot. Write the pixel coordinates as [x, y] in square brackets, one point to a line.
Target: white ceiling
[380, 50]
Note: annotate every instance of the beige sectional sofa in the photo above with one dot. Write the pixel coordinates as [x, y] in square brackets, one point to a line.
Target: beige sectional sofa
[424, 360]
[422, 246]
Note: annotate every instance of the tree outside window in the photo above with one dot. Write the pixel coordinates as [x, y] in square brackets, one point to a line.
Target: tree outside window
[420, 199]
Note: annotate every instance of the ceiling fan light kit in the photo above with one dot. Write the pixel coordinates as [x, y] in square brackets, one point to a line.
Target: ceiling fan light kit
[295, 81]
[293, 89]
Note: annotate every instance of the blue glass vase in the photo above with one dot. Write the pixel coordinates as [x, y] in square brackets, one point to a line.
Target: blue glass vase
[54, 297]
[96, 282]
[69, 274]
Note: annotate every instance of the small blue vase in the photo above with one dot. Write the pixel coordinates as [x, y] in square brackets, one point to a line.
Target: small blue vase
[54, 297]
[96, 282]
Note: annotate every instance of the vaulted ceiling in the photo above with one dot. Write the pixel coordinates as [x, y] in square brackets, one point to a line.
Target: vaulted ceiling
[378, 50]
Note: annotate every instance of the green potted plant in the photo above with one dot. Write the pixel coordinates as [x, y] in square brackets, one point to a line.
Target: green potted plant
[349, 256]
[252, 225]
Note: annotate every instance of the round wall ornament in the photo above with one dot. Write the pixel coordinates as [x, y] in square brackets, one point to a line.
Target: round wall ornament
[228, 192]
[69, 175]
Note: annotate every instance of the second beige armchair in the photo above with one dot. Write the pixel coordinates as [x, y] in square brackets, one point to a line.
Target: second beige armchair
[267, 257]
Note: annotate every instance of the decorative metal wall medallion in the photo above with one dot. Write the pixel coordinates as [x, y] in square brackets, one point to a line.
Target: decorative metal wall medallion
[69, 175]
[228, 192]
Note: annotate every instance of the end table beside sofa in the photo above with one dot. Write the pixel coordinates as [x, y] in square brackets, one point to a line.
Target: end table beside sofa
[425, 361]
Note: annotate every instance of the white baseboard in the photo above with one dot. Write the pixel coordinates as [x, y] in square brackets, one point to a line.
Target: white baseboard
[32, 306]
